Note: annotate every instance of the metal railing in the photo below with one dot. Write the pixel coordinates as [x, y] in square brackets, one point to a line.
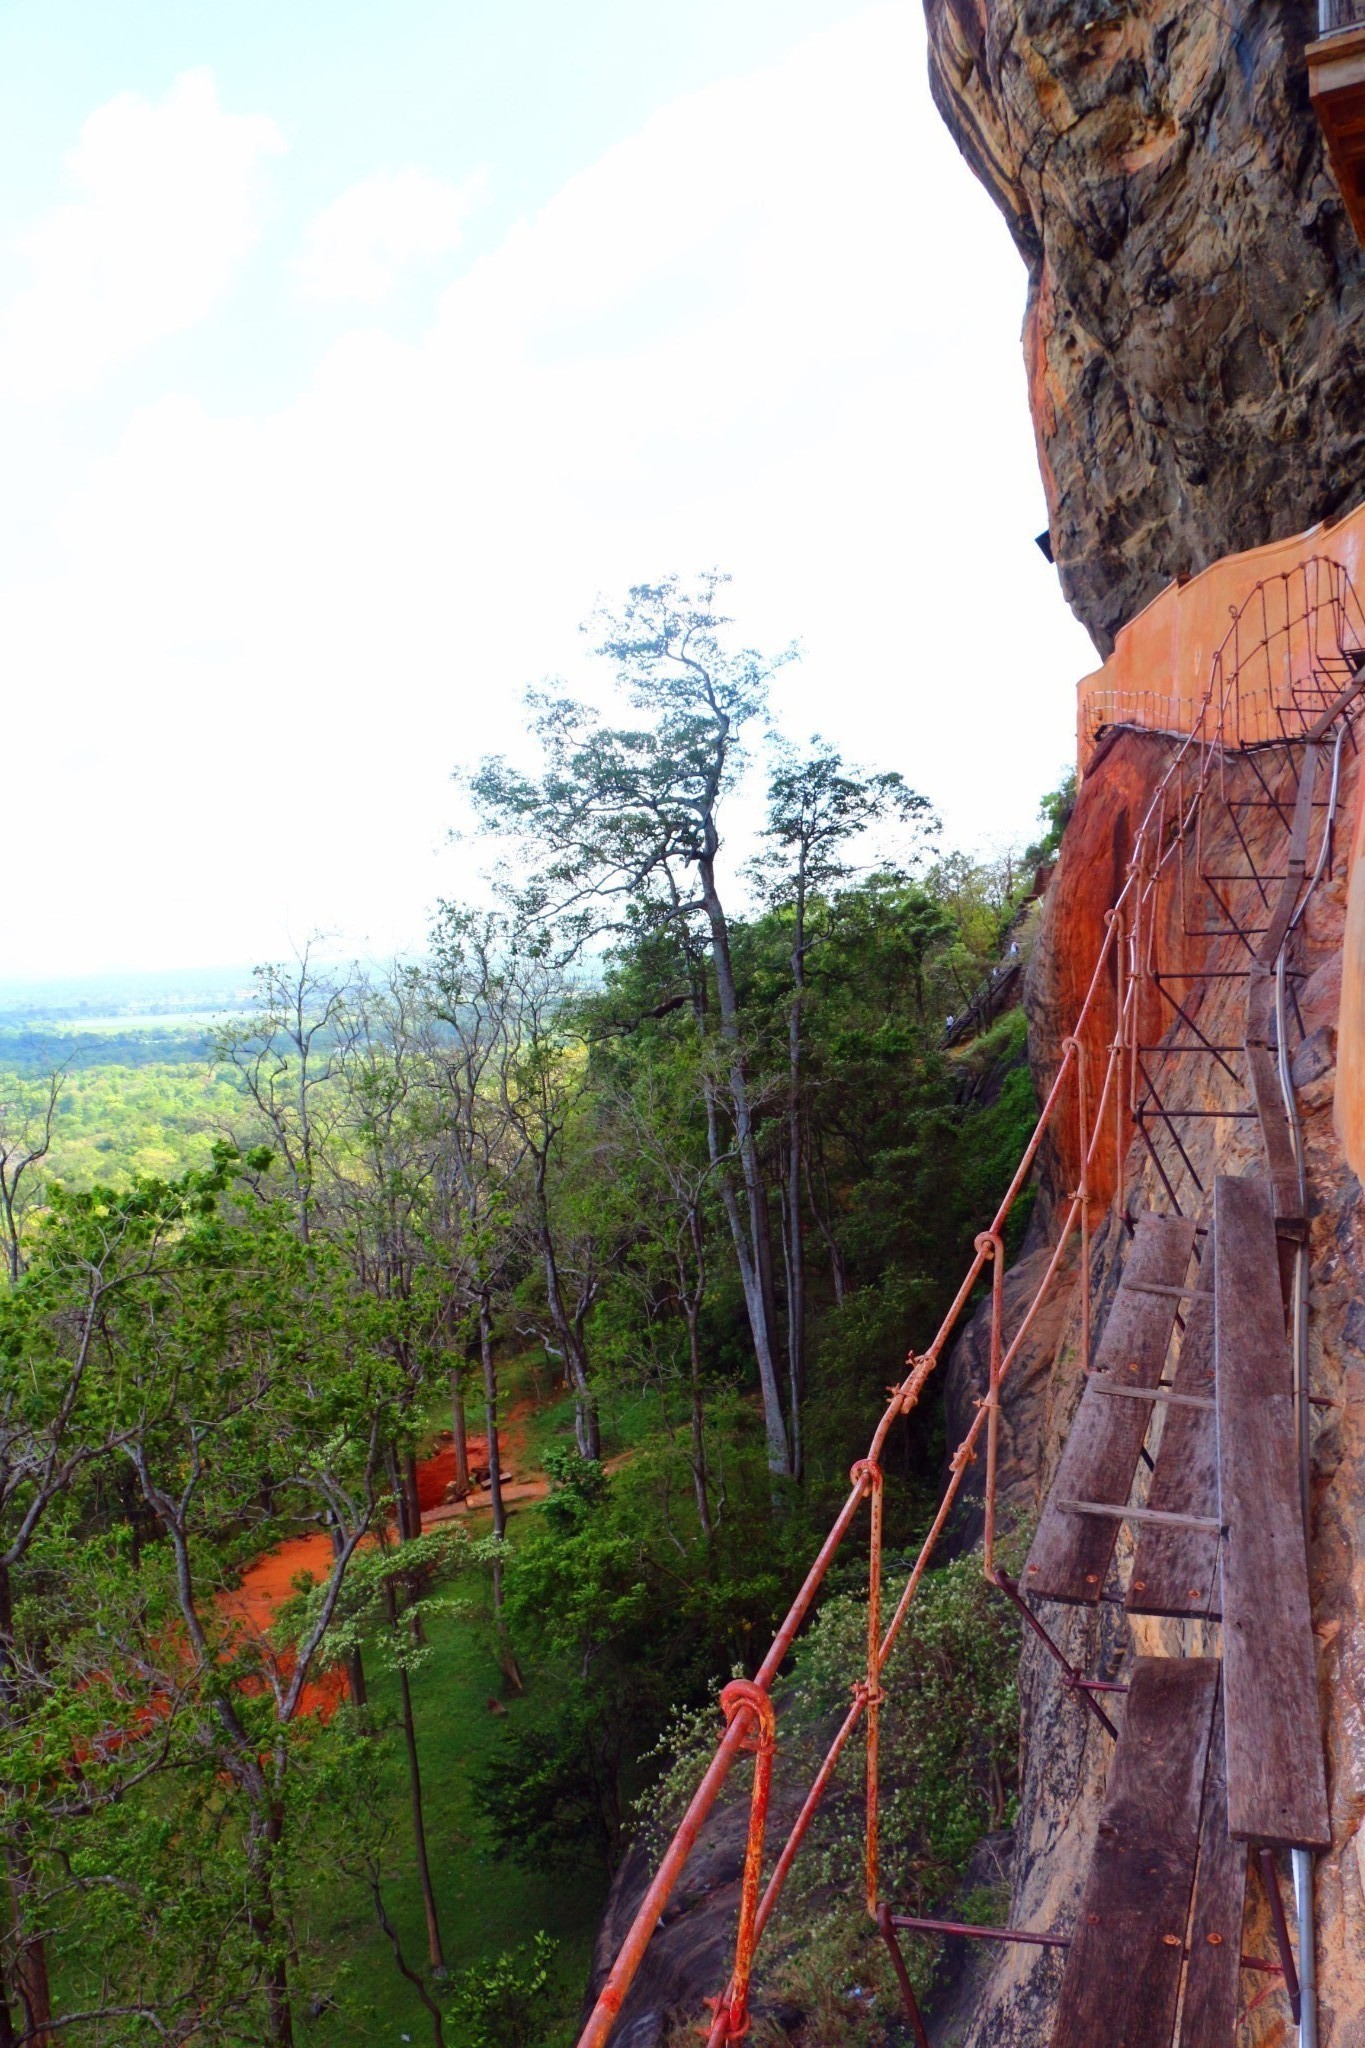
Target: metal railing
[1286, 671]
[1335, 15]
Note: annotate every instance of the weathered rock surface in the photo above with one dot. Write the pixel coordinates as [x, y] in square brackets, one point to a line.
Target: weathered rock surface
[693, 1949]
[1196, 304]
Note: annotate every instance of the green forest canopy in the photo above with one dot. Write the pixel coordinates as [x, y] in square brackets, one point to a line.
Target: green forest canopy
[686, 1142]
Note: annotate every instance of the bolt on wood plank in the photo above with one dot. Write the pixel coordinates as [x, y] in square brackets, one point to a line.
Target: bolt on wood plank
[1071, 1553]
[1277, 1790]
[1122, 1980]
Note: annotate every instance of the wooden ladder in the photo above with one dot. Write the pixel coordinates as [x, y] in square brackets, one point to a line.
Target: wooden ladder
[1220, 1534]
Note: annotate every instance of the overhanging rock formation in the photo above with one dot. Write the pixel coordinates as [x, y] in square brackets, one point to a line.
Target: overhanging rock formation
[1195, 332]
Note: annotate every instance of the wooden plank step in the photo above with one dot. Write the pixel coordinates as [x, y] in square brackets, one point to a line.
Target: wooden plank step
[1208, 2011]
[1122, 1978]
[1175, 1571]
[1071, 1553]
[1279, 1145]
[1277, 1790]
[1260, 1024]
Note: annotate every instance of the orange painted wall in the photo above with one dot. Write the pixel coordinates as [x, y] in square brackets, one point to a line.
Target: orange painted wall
[1159, 670]
[1157, 676]
[1349, 1106]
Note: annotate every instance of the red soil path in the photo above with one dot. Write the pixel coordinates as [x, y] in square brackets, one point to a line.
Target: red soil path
[267, 1584]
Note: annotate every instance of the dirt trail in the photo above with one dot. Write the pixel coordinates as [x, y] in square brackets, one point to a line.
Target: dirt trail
[436, 1474]
[268, 1583]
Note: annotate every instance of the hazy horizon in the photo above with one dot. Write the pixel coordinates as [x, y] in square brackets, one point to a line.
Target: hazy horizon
[344, 361]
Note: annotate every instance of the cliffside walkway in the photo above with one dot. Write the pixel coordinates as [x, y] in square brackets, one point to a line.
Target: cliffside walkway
[1206, 1464]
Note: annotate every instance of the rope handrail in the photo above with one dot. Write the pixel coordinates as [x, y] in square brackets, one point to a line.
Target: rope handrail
[1291, 610]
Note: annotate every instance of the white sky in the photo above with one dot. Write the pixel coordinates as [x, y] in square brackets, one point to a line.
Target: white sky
[323, 434]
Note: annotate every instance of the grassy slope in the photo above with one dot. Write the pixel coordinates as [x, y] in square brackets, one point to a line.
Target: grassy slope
[487, 1903]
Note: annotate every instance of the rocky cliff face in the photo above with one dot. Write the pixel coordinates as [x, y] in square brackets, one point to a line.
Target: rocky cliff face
[1196, 304]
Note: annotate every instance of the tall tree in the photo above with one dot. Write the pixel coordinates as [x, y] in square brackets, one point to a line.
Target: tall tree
[544, 1084]
[471, 1052]
[623, 829]
[283, 1054]
[26, 1120]
[817, 809]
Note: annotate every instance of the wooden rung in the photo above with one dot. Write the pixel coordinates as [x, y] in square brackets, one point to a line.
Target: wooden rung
[1175, 1571]
[1071, 1554]
[1122, 1976]
[1135, 1514]
[1277, 1793]
[1166, 1395]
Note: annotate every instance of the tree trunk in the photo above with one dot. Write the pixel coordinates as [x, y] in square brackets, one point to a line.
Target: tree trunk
[460, 1433]
[435, 1951]
[587, 1429]
[796, 1251]
[413, 1493]
[838, 1270]
[699, 1473]
[755, 1255]
[490, 1409]
[30, 1958]
[490, 1394]
[403, 1505]
[29, 1978]
[263, 1920]
[353, 1661]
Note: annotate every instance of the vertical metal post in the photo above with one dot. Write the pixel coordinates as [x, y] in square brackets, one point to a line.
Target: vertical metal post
[732, 2013]
[1082, 1195]
[1270, 1879]
[997, 1253]
[1116, 1053]
[912, 2010]
[1302, 1860]
[874, 1673]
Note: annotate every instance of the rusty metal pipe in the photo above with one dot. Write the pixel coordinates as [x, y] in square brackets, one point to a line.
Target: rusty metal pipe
[997, 1253]
[969, 1933]
[801, 1825]
[602, 2018]
[887, 1926]
[743, 1697]
[873, 1683]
